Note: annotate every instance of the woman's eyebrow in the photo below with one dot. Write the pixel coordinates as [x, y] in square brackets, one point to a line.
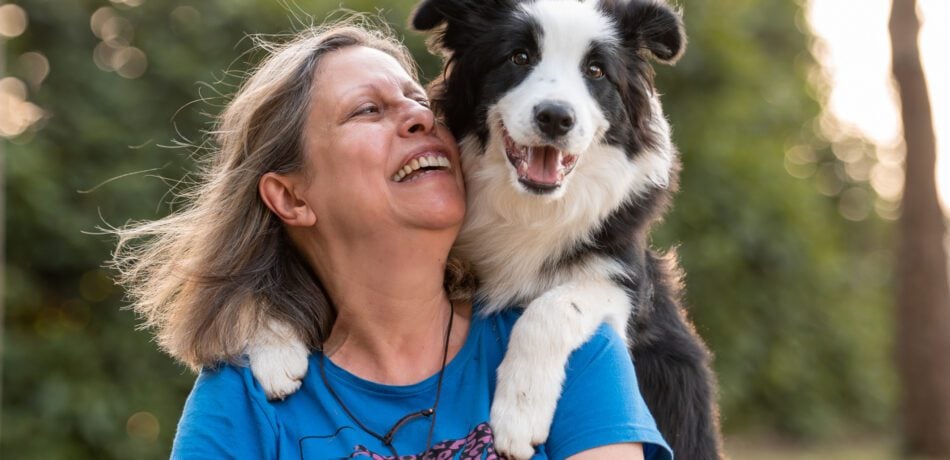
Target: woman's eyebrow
[411, 86]
[347, 93]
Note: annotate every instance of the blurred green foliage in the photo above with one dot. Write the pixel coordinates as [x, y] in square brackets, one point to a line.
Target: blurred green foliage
[792, 298]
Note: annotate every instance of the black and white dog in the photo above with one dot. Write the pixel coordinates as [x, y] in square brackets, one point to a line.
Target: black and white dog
[568, 162]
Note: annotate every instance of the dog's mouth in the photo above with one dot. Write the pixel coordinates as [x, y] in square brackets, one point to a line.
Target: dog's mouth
[542, 168]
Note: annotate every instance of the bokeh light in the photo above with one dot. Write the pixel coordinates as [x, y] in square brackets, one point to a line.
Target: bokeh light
[115, 53]
[34, 67]
[98, 18]
[128, 3]
[96, 285]
[130, 62]
[143, 426]
[854, 204]
[16, 113]
[116, 30]
[12, 20]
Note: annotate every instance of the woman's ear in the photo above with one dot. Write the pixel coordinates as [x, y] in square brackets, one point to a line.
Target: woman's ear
[280, 194]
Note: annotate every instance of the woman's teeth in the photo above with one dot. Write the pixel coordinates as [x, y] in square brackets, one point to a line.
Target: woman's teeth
[416, 164]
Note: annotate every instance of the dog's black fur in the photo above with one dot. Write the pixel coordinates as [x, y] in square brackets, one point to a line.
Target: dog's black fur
[673, 364]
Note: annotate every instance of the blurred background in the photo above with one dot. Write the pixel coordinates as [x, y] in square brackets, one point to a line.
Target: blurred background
[793, 223]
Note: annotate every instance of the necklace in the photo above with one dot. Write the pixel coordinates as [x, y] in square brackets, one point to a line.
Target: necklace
[387, 439]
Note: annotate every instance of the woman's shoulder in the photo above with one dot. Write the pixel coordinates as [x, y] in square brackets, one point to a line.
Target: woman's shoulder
[227, 388]
[604, 340]
[229, 376]
[226, 403]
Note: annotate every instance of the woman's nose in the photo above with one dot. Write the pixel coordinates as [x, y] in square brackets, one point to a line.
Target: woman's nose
[419, 119]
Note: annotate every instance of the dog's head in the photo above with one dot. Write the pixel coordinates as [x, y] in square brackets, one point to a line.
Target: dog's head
[542, 82]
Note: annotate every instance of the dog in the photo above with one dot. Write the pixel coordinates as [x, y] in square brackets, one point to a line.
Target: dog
[568, 162]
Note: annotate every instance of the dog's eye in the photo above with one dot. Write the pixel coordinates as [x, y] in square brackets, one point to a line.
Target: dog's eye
[594, 71]
[520, 57]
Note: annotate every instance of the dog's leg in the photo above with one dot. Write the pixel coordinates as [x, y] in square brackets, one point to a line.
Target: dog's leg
[278, 359]
[673, 370]
[532, 373]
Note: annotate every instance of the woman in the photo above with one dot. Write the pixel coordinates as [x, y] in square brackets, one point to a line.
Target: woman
[331, 204]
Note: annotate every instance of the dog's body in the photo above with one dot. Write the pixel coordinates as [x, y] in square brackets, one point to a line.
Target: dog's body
[568, 162]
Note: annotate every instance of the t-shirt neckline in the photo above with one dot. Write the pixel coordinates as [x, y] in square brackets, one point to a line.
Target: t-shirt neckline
[452, 368]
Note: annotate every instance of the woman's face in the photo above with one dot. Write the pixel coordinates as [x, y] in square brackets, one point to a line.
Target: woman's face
[367, 136]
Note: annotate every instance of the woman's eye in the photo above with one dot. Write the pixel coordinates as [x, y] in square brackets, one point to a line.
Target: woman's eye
[594, 71]
[423, 102]
[366, 110]
[520, 57]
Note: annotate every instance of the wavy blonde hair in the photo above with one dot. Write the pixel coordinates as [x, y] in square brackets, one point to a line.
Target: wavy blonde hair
[205, 277]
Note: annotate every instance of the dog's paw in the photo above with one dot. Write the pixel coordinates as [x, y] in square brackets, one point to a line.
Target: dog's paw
[513, 440]
[278, 361]
[523, 407]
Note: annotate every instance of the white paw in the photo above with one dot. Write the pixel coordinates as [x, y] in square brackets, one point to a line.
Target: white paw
[278, 360]
[523, 408]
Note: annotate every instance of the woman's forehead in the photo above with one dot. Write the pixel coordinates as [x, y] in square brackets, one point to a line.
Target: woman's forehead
[355, 68]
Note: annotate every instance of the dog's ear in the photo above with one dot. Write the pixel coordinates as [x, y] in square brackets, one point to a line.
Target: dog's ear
[654, 27]
[429, 14]
[463, 20]
[455, 15]
[432, 13]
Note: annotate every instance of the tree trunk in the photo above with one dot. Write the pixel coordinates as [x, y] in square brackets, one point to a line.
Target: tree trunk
[923, 323]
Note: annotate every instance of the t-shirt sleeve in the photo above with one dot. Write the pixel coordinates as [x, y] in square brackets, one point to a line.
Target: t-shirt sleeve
[601, 403]
[225, 417]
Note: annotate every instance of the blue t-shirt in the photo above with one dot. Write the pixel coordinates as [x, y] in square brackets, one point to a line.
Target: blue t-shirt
[227, 414]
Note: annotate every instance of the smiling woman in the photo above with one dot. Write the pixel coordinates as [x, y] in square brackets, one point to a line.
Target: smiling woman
[377, 127]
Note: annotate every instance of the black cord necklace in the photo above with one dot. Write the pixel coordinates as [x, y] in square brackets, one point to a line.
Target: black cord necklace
[387, 439]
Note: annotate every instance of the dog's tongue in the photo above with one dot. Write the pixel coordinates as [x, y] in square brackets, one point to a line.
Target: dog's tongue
[544, 165]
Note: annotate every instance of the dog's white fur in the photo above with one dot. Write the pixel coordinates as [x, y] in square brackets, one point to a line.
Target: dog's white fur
[278, 359]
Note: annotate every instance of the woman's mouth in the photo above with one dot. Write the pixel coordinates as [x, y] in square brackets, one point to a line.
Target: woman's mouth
[420, 165]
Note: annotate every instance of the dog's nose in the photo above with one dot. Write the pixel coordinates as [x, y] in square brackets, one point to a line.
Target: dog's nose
[554, 118]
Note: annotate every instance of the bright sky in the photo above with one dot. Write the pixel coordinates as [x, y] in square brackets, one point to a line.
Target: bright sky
[856, 55]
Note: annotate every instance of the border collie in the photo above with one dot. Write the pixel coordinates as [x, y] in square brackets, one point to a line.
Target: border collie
[568, 163]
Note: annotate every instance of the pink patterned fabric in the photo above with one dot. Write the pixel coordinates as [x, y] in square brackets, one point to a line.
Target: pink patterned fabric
[478, 445]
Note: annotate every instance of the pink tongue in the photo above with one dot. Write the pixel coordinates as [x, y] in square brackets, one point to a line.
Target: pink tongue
[543, 165]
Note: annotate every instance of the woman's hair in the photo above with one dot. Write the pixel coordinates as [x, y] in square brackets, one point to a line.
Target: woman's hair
[205, 277]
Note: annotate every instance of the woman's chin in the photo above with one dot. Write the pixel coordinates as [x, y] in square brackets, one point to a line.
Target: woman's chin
[436, 203]
[447, 217]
